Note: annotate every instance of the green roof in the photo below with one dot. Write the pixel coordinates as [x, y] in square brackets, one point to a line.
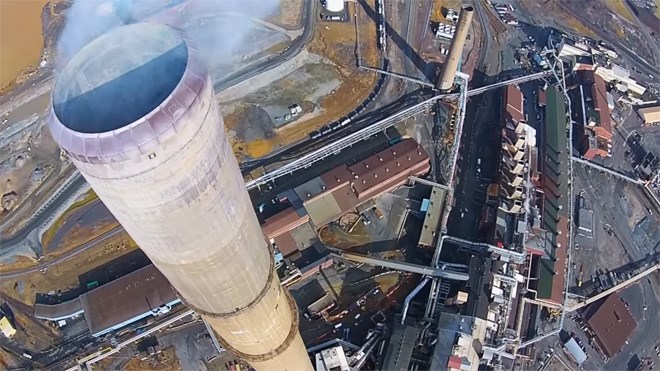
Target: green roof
[556, 169]
[546, 274]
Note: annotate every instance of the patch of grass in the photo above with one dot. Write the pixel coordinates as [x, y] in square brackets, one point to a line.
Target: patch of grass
[288, 14]
[47, 237]
[619, 7]
[579, 27]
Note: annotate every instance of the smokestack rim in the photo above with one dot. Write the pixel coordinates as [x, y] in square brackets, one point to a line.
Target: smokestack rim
[146, 133]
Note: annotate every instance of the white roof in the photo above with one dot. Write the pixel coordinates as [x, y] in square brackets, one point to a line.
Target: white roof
[575, 351]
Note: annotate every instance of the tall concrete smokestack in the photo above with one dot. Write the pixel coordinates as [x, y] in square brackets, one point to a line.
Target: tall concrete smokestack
[135, 111]
[446, 80]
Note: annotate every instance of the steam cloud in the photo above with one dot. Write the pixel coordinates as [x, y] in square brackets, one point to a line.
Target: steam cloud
[217, 26]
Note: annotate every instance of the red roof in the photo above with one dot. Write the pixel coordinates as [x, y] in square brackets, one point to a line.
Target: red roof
[599, 91]
[612, 323]
[336, 177]
[514, 104]
[398, 159]
[454, 362]
[557, 294]
[286, 244]
[542, 98]
[282, 222]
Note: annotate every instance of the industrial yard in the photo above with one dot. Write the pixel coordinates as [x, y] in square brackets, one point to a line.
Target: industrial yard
[418, 185]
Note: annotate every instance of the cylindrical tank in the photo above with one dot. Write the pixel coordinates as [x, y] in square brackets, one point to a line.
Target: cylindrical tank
[135, 111]
[334, 5]
[446, 80]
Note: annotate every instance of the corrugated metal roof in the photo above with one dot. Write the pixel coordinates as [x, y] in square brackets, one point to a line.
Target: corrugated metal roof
[121, 301]
[551, 272]
[59, 311]
[387, 164]
[286, 244]
[400, 348]
[337, 177]
[282, 222]
[599, 91]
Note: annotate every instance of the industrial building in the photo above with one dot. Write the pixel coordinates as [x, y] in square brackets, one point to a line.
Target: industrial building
[124, 301]
[158, 157]
[344, 188]
[504, 215]
[328, 197]
[597, 57]
[460, 340]
[333, 359]
[433, 209]
[611, 322]
[400, 347]
[550, 242]
[593, 112]
[573, 349]
[6, 327]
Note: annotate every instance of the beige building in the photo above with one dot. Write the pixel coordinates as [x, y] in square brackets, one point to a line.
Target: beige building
[650, 115]
[7, 329]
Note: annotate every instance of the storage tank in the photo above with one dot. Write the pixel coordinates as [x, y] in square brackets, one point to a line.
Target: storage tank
[334, 5]
[136, 113]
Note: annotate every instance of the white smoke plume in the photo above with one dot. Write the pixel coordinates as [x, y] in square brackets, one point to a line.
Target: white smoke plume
[89, 19]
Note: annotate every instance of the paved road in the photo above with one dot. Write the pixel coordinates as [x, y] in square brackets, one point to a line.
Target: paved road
[41, 218]
[70, 254]
[309, 16]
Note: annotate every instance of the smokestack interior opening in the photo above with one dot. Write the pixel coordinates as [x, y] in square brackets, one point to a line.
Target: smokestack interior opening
[119, 78]
[468, 8]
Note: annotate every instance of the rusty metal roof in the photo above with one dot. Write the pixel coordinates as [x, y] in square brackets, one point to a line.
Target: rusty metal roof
[286, 244]
[514, 104]
[387, 164]
[126, 299]
[283, 222]
[612, 323]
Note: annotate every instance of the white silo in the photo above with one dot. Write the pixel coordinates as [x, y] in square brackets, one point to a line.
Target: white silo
[334, 5]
